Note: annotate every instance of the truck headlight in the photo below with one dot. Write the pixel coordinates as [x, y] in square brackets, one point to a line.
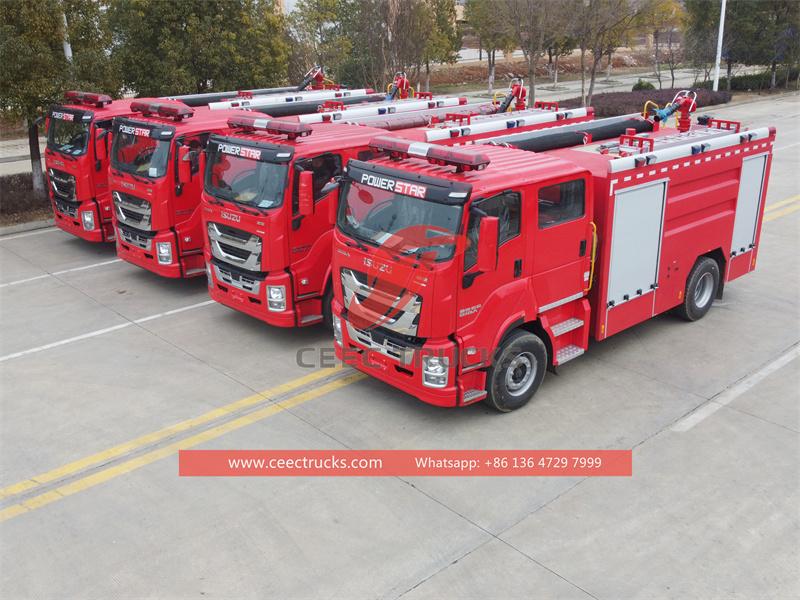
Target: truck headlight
[434, 371]
[337, 330]
[276, 297]
[87, 217]
[164, 251]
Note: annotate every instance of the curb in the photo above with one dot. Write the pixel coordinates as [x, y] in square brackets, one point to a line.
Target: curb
[23, 227]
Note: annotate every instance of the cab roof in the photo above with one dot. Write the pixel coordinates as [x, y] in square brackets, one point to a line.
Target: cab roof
[508, 168]
[116, 108]
[325, 137]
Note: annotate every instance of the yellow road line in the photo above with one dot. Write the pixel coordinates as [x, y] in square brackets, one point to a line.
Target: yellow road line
[781, 213]
[109, 473]
[776, 205]
[155, 436]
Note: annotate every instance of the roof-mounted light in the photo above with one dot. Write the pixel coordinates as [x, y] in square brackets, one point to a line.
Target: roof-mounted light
[462, 159]
[170, 110]
[97, 100]
[290, 129]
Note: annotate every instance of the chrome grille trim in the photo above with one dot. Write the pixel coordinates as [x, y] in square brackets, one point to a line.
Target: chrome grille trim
[243, 282]
[235, 246]
[129, 236]
[66, 208]
[63, 185]
[133, 211]
[398, 352]
[406, 317]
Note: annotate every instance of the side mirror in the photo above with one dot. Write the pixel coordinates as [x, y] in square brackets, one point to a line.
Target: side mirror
[488, 233]
[184, 164]
[305, 194]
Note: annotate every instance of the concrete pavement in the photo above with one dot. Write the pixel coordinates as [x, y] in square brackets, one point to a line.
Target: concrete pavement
[710, 511]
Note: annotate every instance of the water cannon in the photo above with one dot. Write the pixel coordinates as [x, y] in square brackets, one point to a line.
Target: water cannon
[315, 78]
[684, 103]
[399, 88]
[516, 92]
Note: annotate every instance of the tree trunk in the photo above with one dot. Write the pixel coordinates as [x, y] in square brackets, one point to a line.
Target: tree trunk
[592, 77]
[774, 74]
[730, 72]
[555, 73]
[36, 159]
[608, 66]
[427, 76]
[490, 57]
[658, 63]
[583, 76]
[532, 80]
[480, 51]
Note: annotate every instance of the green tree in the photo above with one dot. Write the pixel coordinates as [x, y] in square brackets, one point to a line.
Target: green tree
[90, 37]
[316, 35]
[443, 39]
[169, 47]
[493, 30]
[35, 71]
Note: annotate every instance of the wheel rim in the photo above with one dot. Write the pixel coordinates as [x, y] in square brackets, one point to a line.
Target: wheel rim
[704, 290]
[520, 373]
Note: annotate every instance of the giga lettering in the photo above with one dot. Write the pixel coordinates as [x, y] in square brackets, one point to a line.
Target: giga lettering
[242, 151]
[63, 116]
[130, 129]
[398, 187]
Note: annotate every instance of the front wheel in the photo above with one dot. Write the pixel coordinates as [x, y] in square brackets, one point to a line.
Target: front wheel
[701, 289]
[517, 372]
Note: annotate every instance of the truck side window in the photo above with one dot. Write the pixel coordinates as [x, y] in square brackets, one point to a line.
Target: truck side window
[561, 203]
[325, 167]
[507, 208]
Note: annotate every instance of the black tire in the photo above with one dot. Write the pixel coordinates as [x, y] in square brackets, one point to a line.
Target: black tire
[520, 360]
[701, 289]
[327, 308]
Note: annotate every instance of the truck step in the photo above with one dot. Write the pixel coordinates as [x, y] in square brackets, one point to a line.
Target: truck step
[567, 353]
[565, 326]
[473, 396]
[310, 319]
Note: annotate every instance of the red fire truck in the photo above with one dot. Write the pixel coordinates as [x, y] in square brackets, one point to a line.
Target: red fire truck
[266, 206]
[463, 274]
[76, 160]
[156, 179]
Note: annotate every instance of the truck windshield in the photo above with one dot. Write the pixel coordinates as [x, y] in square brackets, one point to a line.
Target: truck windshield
[245, 181]
[141, 155]
[68, 137]
[411, 225]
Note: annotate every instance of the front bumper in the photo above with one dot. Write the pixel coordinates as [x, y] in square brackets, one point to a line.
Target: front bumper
[406, 373]
[139, 248]
[68, 218]
[226, 285]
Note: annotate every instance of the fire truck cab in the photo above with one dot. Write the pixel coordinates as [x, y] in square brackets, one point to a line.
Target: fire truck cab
[156, 178]
[76, 161]
[464, 274]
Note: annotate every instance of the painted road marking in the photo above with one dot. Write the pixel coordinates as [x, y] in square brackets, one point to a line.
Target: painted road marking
[156, 436]
[776, 205]
[104, 475]
[98, 332]
[781, 213]
[729, 395]
[56, 273]
[786, 146]
[28, 234]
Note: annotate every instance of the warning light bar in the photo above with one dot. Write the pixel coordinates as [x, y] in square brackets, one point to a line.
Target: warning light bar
[88, 98]
[290, 129]
[172, 110]
[462, 159]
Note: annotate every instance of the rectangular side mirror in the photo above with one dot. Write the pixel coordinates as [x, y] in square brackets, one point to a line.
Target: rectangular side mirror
[184, 164]
[488, 233]
[305, 194]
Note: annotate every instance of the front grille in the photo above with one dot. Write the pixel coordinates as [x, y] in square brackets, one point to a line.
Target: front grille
[63, 185]
[133, 211]
[67, 208]
[374, 340]
[396, 313]
[235, 246]
[135, 238]
[244, 282]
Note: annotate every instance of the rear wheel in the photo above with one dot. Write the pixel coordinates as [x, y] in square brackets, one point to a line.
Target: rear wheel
[327, 307]
[701, 289]
[517, 372]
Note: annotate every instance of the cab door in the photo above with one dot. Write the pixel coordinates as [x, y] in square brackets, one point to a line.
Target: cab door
[562, 240]
[310, 235]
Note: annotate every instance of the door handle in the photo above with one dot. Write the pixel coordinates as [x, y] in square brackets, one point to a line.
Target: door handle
[583, 248]
[518, 267]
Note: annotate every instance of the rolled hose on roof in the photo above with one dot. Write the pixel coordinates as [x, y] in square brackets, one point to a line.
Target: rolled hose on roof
[209, 97]
[574, 135]
[301, 108]
[422, 118]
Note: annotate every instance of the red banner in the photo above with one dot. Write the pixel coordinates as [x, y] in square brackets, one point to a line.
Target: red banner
[405, 463]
